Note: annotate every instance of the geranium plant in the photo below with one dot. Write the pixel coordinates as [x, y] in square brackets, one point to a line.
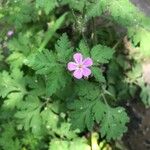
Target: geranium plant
[67, 66]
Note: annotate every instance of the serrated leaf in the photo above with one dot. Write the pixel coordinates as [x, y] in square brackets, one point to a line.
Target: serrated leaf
[84, 49]
[113, 124]
[20, 13]
[36, 123]
[81, 117]
[46, 5]
[56, 76]
[16, 59]
[76, 4]
[112, 120]
[99, 110]
[47, 61]
[49, 118]
[64, 131]
[96, 71]
[6, 84]
[12, 82]
[36, 84]
[141, 36]
[56, 80]
[63, 48]
[87, 89]
[29, 114]
[21, 43]
[13, 99]
[9, 135]
[124, 12]
[94, 9]
[101, 54]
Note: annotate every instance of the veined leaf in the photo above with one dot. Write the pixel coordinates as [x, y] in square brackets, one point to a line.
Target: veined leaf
[84, 49]
[63, 48]
[46, 5]
[113, 124]
[101, 54]
[97, 72]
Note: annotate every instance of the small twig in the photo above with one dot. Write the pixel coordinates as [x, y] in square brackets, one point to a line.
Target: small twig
[94, 36]
[105, 100]
[116, 45]
[107, 92]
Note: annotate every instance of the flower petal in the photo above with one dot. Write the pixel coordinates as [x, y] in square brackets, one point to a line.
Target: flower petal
[78, 74]
[86, 72]
[78, 58]
[88, 62]
[72, 66]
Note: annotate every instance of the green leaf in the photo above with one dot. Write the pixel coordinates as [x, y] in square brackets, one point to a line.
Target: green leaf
[75, 4]
[101, 54]
[75, 144]
[47, 61]
[141, 36]
[63, 48]
[135, 73]
[51, 31]
[13, 99]
[13, 82]
[124, 12]
[36, 85]
[56, 80]
[16, 59]
[9, 134]
[81, 117]
[6, 84]
[19, 13]
[36, 123]
[59, 145]
[79, 144]
[29, 114]
[94, 9]
[98, 111]
[21, 43]
[84, 49]
[96, 71]
[64, 131]
[49, 118]
[46, 5]
[56, 77]
[87, 90]
[113, 123]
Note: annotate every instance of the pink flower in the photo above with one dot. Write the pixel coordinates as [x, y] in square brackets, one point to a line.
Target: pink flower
[80, 66]
[10, 33]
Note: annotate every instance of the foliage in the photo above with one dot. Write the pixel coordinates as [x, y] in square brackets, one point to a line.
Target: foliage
[42, 106]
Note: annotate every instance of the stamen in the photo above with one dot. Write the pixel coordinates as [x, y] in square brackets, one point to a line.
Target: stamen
[80, 66]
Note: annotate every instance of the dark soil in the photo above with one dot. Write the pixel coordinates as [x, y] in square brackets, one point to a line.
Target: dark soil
[138, 135]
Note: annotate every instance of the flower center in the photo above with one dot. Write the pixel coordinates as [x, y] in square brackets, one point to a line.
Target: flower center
[80, 66]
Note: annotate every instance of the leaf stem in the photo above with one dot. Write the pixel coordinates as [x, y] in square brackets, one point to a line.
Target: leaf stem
[105, 99]
[94, 141]
[51, 31]
[116, 45]
[107, 92]
[94, 36]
